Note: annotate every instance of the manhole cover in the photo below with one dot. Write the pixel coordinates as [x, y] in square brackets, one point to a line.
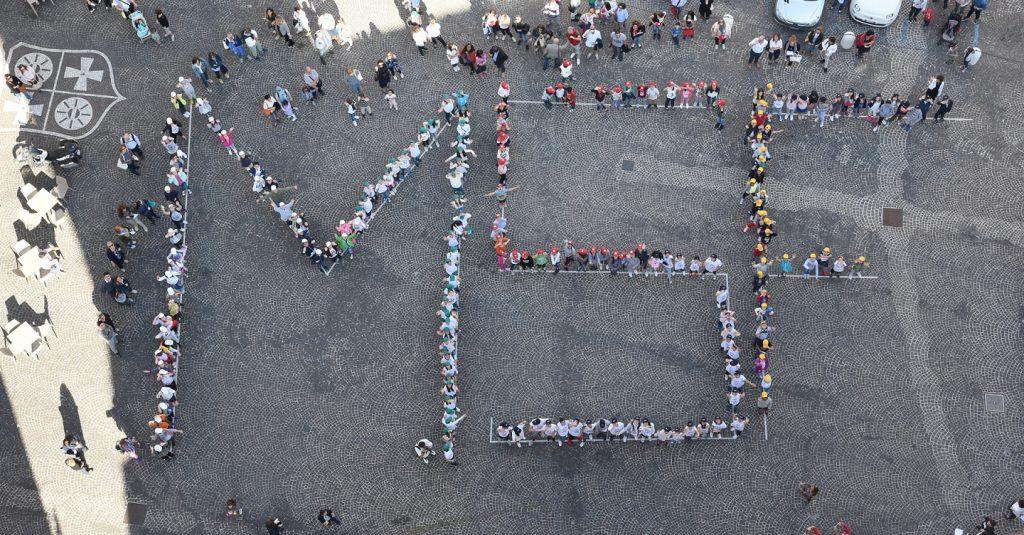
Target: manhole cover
[627, 165]
[892, 217]
[135, 514]
[995, 403]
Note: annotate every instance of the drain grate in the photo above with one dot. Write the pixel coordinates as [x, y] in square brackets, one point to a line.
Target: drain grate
[995, 403]
[892, 217]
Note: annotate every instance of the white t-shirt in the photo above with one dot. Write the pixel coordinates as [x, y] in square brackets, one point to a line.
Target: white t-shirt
[420, 37]
[757, 46]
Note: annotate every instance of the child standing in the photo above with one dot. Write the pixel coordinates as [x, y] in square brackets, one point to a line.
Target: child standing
[350, 108]
[364, 105]
[392, 99]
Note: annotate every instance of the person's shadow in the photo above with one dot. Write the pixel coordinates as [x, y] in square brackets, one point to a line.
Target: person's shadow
[69, 414]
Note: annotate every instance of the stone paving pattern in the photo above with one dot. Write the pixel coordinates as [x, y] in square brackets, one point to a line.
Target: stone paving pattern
[301, 391]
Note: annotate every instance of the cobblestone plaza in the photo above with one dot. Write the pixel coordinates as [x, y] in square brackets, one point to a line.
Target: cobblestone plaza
[896, 395]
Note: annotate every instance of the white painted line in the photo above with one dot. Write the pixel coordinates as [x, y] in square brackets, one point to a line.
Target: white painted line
[78, 93]
[49, 106]
[764, 417]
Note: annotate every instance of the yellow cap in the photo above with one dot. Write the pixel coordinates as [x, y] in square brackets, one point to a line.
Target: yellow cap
[761, 158]
[762, 213]
[764, 306]
[762, 102]
[769, 86]
[764, 259]
[768, 221]
[762, 356]
[764, 395]
[760, 274]
[767, 377]
[861, 259]
[760, 137]
[826, 250]
[785, 256]
[752, 181]
[814, 255]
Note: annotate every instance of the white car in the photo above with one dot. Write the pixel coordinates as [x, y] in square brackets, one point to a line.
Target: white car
[799, 13]
[875, 12]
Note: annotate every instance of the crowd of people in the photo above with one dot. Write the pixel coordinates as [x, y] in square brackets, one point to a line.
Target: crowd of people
[448, 349]
[456, 107]
[126, 233]
[646, 95]
[374, 193]
[581, 431]
[607, 24]
[817, 265]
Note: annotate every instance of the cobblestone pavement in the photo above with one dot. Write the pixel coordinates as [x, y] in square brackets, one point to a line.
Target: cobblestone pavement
[300, 391]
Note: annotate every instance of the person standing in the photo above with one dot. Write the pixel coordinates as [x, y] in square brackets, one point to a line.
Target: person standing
[1016, 510]
[618, 42]
[354, 79]
[283, 30]
[75, 449]
[202, 71]
[828, 48]
[915, 8]
[434, 33]
[312, 80]
[300, 21]
[977, 6]
[864, 42]
[814, 39]
[217, 66]
[757, 48]
[499, 57]
[971, 57]
[105, 327]
[912, 117]
[705, 8]
[420, 38]
[129, 446]
[945, 104]
[808, 491]
[274, 526]
[424, 449]
[251, 40]
[326, 518]
[165, 25]
[323, 43]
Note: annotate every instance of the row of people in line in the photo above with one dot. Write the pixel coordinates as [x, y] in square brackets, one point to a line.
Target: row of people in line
[580, 431]
[757, 138]
[448, 331]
